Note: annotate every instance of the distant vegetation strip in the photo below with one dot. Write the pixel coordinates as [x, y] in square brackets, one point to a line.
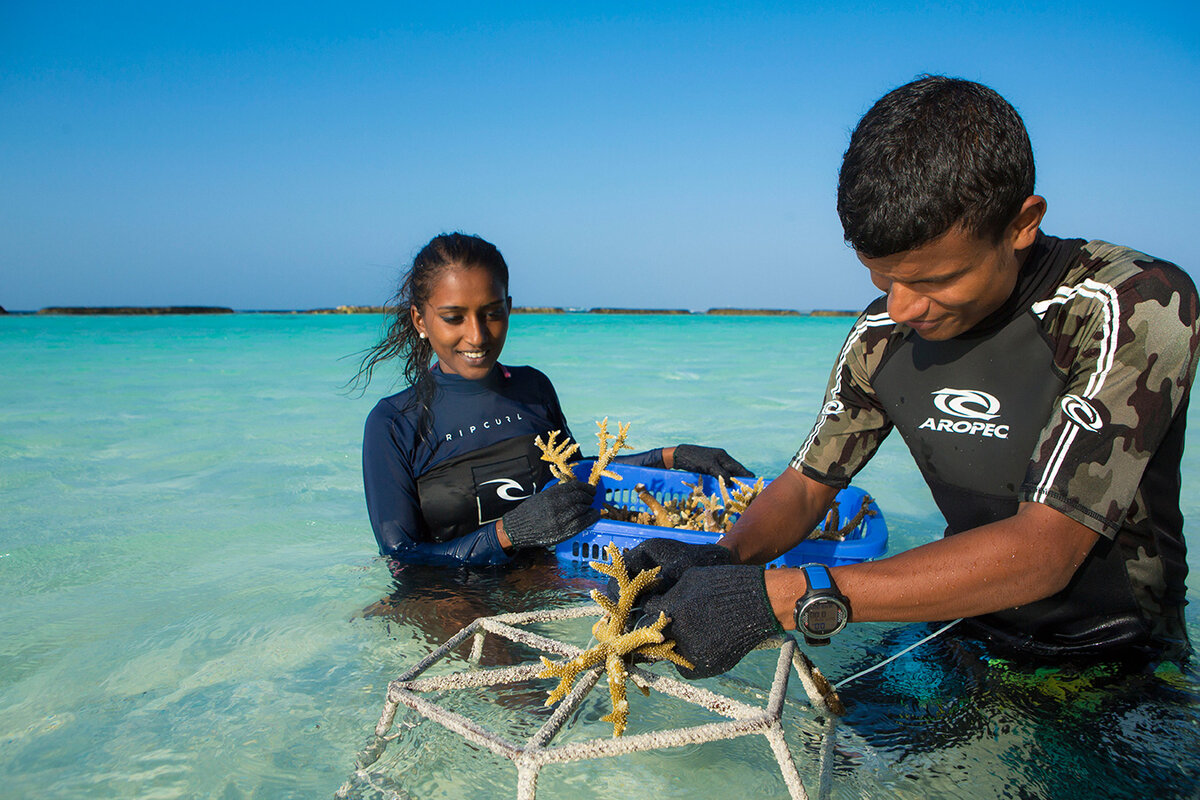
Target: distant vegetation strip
[638, 311]
[131, 310]
[755, 312]
[154, 310]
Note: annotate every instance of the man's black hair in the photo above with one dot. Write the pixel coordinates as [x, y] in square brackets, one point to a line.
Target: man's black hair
[932, 155]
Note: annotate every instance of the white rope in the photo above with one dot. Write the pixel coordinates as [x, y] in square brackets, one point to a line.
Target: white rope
[894, 656]
[540, 750]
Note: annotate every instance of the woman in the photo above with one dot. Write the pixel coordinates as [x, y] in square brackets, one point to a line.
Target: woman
[449, 465]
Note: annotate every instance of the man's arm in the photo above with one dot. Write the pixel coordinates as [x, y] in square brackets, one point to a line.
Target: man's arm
[1015, 561]
[781, 515]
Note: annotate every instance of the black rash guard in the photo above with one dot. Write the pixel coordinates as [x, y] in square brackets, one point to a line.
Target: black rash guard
[434, 496]
[1073, 394]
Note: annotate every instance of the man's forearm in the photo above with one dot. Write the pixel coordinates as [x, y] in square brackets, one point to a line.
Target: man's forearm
[991, 568]
[781, 516]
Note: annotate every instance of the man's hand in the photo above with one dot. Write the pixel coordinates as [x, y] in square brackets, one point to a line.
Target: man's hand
[673, 557]
[718, 614]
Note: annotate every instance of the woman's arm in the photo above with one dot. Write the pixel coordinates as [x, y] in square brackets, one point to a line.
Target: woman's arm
[394, 508]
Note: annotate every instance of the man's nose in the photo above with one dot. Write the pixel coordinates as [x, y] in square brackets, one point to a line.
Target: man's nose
[903, 304]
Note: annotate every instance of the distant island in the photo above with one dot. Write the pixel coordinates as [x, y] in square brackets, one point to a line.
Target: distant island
[638, 311]
[134, 310]
[754, 312]
[347, 309]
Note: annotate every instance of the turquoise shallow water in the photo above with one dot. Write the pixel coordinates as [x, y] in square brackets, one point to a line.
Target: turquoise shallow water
[185, 563]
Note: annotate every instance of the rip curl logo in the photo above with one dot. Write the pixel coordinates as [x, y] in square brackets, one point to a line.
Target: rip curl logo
[968, 403]
[833, 408]
[1081, 412]
[505, 489]
[484, 425]
[500, 486]
[973, 407]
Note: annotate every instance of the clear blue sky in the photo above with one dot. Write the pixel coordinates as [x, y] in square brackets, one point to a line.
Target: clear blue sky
[685, 156]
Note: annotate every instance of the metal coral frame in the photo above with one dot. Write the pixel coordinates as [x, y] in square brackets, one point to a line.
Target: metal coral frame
[539, 750]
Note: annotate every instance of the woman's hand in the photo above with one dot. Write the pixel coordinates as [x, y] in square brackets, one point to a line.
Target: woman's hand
[707, 461]
[550, 517]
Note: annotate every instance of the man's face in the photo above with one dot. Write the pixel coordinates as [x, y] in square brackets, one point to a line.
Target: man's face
[947, 286]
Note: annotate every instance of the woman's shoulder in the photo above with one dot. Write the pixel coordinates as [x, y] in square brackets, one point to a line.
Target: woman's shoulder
[394, 408]
[525, 373]
[527, 379]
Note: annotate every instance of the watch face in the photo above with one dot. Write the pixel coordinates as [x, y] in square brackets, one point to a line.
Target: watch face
[822, 617]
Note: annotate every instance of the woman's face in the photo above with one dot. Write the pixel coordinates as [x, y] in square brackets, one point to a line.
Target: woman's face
[466, 321]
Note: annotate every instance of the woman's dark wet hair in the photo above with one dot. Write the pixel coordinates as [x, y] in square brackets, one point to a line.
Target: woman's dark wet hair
[932, 155]
[449, 250]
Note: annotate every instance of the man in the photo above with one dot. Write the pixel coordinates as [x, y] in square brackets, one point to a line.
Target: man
[1041, 385]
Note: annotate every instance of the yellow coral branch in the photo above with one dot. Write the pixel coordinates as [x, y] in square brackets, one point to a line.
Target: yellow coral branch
[599, 469]
[616, 692]
[615, 646]
[557, 455]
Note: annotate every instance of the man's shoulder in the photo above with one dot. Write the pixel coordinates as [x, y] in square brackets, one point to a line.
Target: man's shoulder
[1116, 281]
[1124, 269]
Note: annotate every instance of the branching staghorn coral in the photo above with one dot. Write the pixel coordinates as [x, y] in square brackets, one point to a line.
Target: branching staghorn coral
[599, 469]
[615, 647]
[829, 528]
[695, 512]
[556, 454]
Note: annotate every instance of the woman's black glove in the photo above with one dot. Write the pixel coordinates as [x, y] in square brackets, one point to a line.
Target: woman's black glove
[709, 461]
[718, 614]
[552, 516]
[673, 557]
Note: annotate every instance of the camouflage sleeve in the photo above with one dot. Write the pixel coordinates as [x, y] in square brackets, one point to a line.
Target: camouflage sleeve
[852, 423]
[1126, 339]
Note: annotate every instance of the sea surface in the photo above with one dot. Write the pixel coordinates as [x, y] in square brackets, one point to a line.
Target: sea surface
[191, 605]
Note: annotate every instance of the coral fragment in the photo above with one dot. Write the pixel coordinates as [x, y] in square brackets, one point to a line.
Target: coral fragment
[615, 646]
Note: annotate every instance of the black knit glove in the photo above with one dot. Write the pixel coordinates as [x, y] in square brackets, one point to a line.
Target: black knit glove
[552, 516]
[718, 614]
[709, 461]
[673, 557]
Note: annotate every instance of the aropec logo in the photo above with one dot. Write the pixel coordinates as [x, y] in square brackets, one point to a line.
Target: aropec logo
[969, 403]
[1081, 412]
[974, 410]
[833, 408]
[507, 488]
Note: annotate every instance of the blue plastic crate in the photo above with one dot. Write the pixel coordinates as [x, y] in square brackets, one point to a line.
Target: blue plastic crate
[868, 540]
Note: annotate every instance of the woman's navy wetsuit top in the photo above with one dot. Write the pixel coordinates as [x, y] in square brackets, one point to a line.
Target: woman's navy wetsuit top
[434, 496]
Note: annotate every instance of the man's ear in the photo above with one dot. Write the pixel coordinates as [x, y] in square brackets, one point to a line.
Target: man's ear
[1024, 227]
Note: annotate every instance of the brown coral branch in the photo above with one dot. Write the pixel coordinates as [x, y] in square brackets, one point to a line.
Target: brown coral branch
[662, 517]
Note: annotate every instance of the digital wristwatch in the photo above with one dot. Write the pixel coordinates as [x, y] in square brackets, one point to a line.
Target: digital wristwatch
[822, 610]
